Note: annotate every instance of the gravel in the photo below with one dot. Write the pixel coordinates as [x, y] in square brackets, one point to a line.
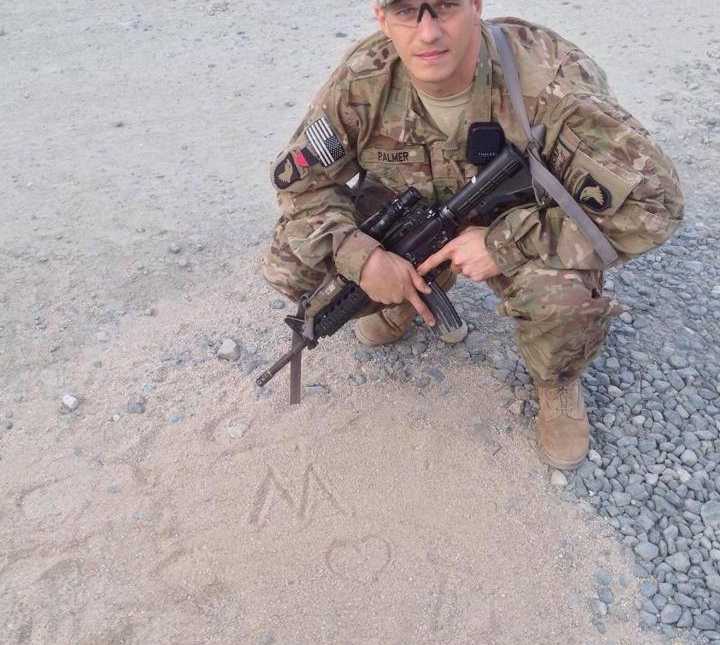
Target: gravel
[653, 398]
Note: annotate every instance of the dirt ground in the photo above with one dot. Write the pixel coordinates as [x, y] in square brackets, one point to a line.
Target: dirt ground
[180, 504]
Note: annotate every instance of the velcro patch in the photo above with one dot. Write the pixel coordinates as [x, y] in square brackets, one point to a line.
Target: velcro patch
[600, 187]
[324, 142]
[593, 195]
[305, 158]
[372, 156]
[286, 173]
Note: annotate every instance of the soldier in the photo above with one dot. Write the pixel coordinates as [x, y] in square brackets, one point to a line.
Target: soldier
[397, 111]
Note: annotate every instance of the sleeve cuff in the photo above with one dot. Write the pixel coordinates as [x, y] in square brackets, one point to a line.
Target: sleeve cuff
[352, 254]
[504, 249]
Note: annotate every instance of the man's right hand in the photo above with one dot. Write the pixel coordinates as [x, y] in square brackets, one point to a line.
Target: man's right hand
[389, 279]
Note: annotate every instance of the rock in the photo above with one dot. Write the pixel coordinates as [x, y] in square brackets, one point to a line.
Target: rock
[475, 343]
[647, 551]
[136, 405]
[689, 458]
[606, 595]
[517, 408]
[237, 430]
[357, 379]
[679, 561]
[278, 304]
[229, 350]
[713, 582]
[175, 248]
[670, 614]
[558, 479]
[678, 361]
[710, 513]
[70, 402]
[598, 608]
[705, 622]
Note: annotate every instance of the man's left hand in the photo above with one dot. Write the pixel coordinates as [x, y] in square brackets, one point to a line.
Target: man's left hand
[467, 254]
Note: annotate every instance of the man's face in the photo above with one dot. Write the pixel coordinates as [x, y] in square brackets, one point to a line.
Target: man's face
[438, 52]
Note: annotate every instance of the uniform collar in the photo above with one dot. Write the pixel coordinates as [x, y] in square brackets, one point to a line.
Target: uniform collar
[414, 126]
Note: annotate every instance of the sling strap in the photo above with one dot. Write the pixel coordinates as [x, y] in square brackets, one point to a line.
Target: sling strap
[538, 170]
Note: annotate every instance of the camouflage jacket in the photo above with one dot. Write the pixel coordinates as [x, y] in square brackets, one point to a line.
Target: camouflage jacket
[368, 116]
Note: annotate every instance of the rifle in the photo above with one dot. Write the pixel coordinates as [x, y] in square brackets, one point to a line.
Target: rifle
[414, 229]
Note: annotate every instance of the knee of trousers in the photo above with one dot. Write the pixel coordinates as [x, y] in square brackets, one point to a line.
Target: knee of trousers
[559, 349]
[286, 274]
[560, 332]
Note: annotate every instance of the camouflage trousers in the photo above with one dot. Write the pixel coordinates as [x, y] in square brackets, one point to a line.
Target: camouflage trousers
[561, 315]
[561, 318]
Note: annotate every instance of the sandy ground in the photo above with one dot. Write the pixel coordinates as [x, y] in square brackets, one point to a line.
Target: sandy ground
[135, 144]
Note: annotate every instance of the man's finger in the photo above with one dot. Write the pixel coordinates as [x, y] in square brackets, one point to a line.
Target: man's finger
[436, 259]
[419, 283]
[421, 308]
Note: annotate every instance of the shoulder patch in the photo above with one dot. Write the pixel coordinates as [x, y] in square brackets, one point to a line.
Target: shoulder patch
[286, 172]
[324, 142]
[593, 195]
[372, 57]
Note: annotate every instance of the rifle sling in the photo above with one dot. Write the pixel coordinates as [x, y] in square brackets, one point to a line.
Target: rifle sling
[539, 171]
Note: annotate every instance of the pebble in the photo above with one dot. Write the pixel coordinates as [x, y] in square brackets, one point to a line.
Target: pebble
[136, 405]
[475, 343]
[358, 379]
[606, 595]
[679, 561]
[70, 402]
[670, 614]
[229, 350]
[175, 248]
[710, 513]
[647, 551]
[558, 479]
[237, 430]
[278, 304]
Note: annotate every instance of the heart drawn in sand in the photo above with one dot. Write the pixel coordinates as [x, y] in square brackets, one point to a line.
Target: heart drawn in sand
[360, 560]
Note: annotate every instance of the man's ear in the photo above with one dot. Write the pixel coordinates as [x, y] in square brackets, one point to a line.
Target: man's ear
[477, 6]
[380, 17]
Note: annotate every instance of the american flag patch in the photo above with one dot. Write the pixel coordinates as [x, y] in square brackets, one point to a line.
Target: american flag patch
[324, 142]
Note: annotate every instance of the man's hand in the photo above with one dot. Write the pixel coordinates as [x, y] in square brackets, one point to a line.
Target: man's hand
[467, 254]
[389, 279]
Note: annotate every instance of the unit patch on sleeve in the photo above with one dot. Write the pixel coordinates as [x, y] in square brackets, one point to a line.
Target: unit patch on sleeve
[286, 173]
[324, 142]
[593, 195]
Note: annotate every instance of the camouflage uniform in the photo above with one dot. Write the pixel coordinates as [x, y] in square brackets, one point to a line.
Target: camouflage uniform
[551, 281]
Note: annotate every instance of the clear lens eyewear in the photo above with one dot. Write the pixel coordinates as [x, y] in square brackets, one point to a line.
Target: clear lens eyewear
[405, 15]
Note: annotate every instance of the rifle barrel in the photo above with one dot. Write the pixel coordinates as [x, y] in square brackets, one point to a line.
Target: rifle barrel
[265, 377]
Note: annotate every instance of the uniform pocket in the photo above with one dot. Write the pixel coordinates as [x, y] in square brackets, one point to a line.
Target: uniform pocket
[399, 167]
[598, 184]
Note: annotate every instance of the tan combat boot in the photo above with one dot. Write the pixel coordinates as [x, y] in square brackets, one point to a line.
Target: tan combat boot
[385, 326]
[563, 429]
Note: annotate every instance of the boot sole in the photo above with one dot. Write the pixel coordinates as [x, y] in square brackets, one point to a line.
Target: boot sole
[364, 340]
[558, 463]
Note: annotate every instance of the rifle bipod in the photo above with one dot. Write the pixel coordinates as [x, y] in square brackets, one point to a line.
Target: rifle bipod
[300, 341]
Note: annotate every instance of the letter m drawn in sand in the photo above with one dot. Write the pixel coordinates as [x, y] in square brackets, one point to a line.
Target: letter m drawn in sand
[316, 500]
